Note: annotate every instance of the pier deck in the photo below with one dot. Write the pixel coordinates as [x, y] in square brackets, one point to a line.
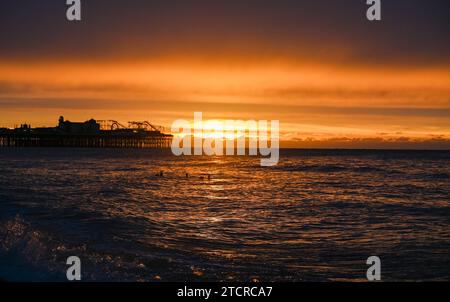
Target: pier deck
[88, 134]
[85, 141]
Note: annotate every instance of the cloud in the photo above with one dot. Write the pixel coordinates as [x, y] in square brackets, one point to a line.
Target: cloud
[370, 143]
[320, 30]
[331, 77]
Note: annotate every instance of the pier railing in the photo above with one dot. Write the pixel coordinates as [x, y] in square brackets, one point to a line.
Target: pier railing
[104, 140]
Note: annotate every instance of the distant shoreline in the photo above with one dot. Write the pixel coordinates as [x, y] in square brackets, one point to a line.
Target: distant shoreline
[281, 149]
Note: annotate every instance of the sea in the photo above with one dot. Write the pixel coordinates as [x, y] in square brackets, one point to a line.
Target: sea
[147, 215]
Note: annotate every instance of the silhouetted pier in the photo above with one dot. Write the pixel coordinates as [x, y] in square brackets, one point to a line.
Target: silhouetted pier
[89, 134]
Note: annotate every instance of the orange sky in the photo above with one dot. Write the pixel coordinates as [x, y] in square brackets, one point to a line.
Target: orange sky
[311, 101]
[332, 81]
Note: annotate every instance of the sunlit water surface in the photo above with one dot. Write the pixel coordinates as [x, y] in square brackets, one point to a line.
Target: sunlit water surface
[317, 216]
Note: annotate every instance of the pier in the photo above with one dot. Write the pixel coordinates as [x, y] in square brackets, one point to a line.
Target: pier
[89, 134]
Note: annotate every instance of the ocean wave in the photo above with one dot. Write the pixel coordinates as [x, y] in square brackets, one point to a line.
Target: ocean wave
[324, 168]
[37, 255]
[309, 218]
[28, 253]
[439, 175]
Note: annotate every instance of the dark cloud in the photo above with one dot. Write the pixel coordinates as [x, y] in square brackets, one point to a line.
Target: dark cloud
[411, 32]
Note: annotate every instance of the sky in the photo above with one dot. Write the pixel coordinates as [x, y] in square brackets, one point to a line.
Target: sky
[332, 78]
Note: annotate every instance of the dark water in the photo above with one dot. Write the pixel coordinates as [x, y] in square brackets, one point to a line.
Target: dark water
[316, 217]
